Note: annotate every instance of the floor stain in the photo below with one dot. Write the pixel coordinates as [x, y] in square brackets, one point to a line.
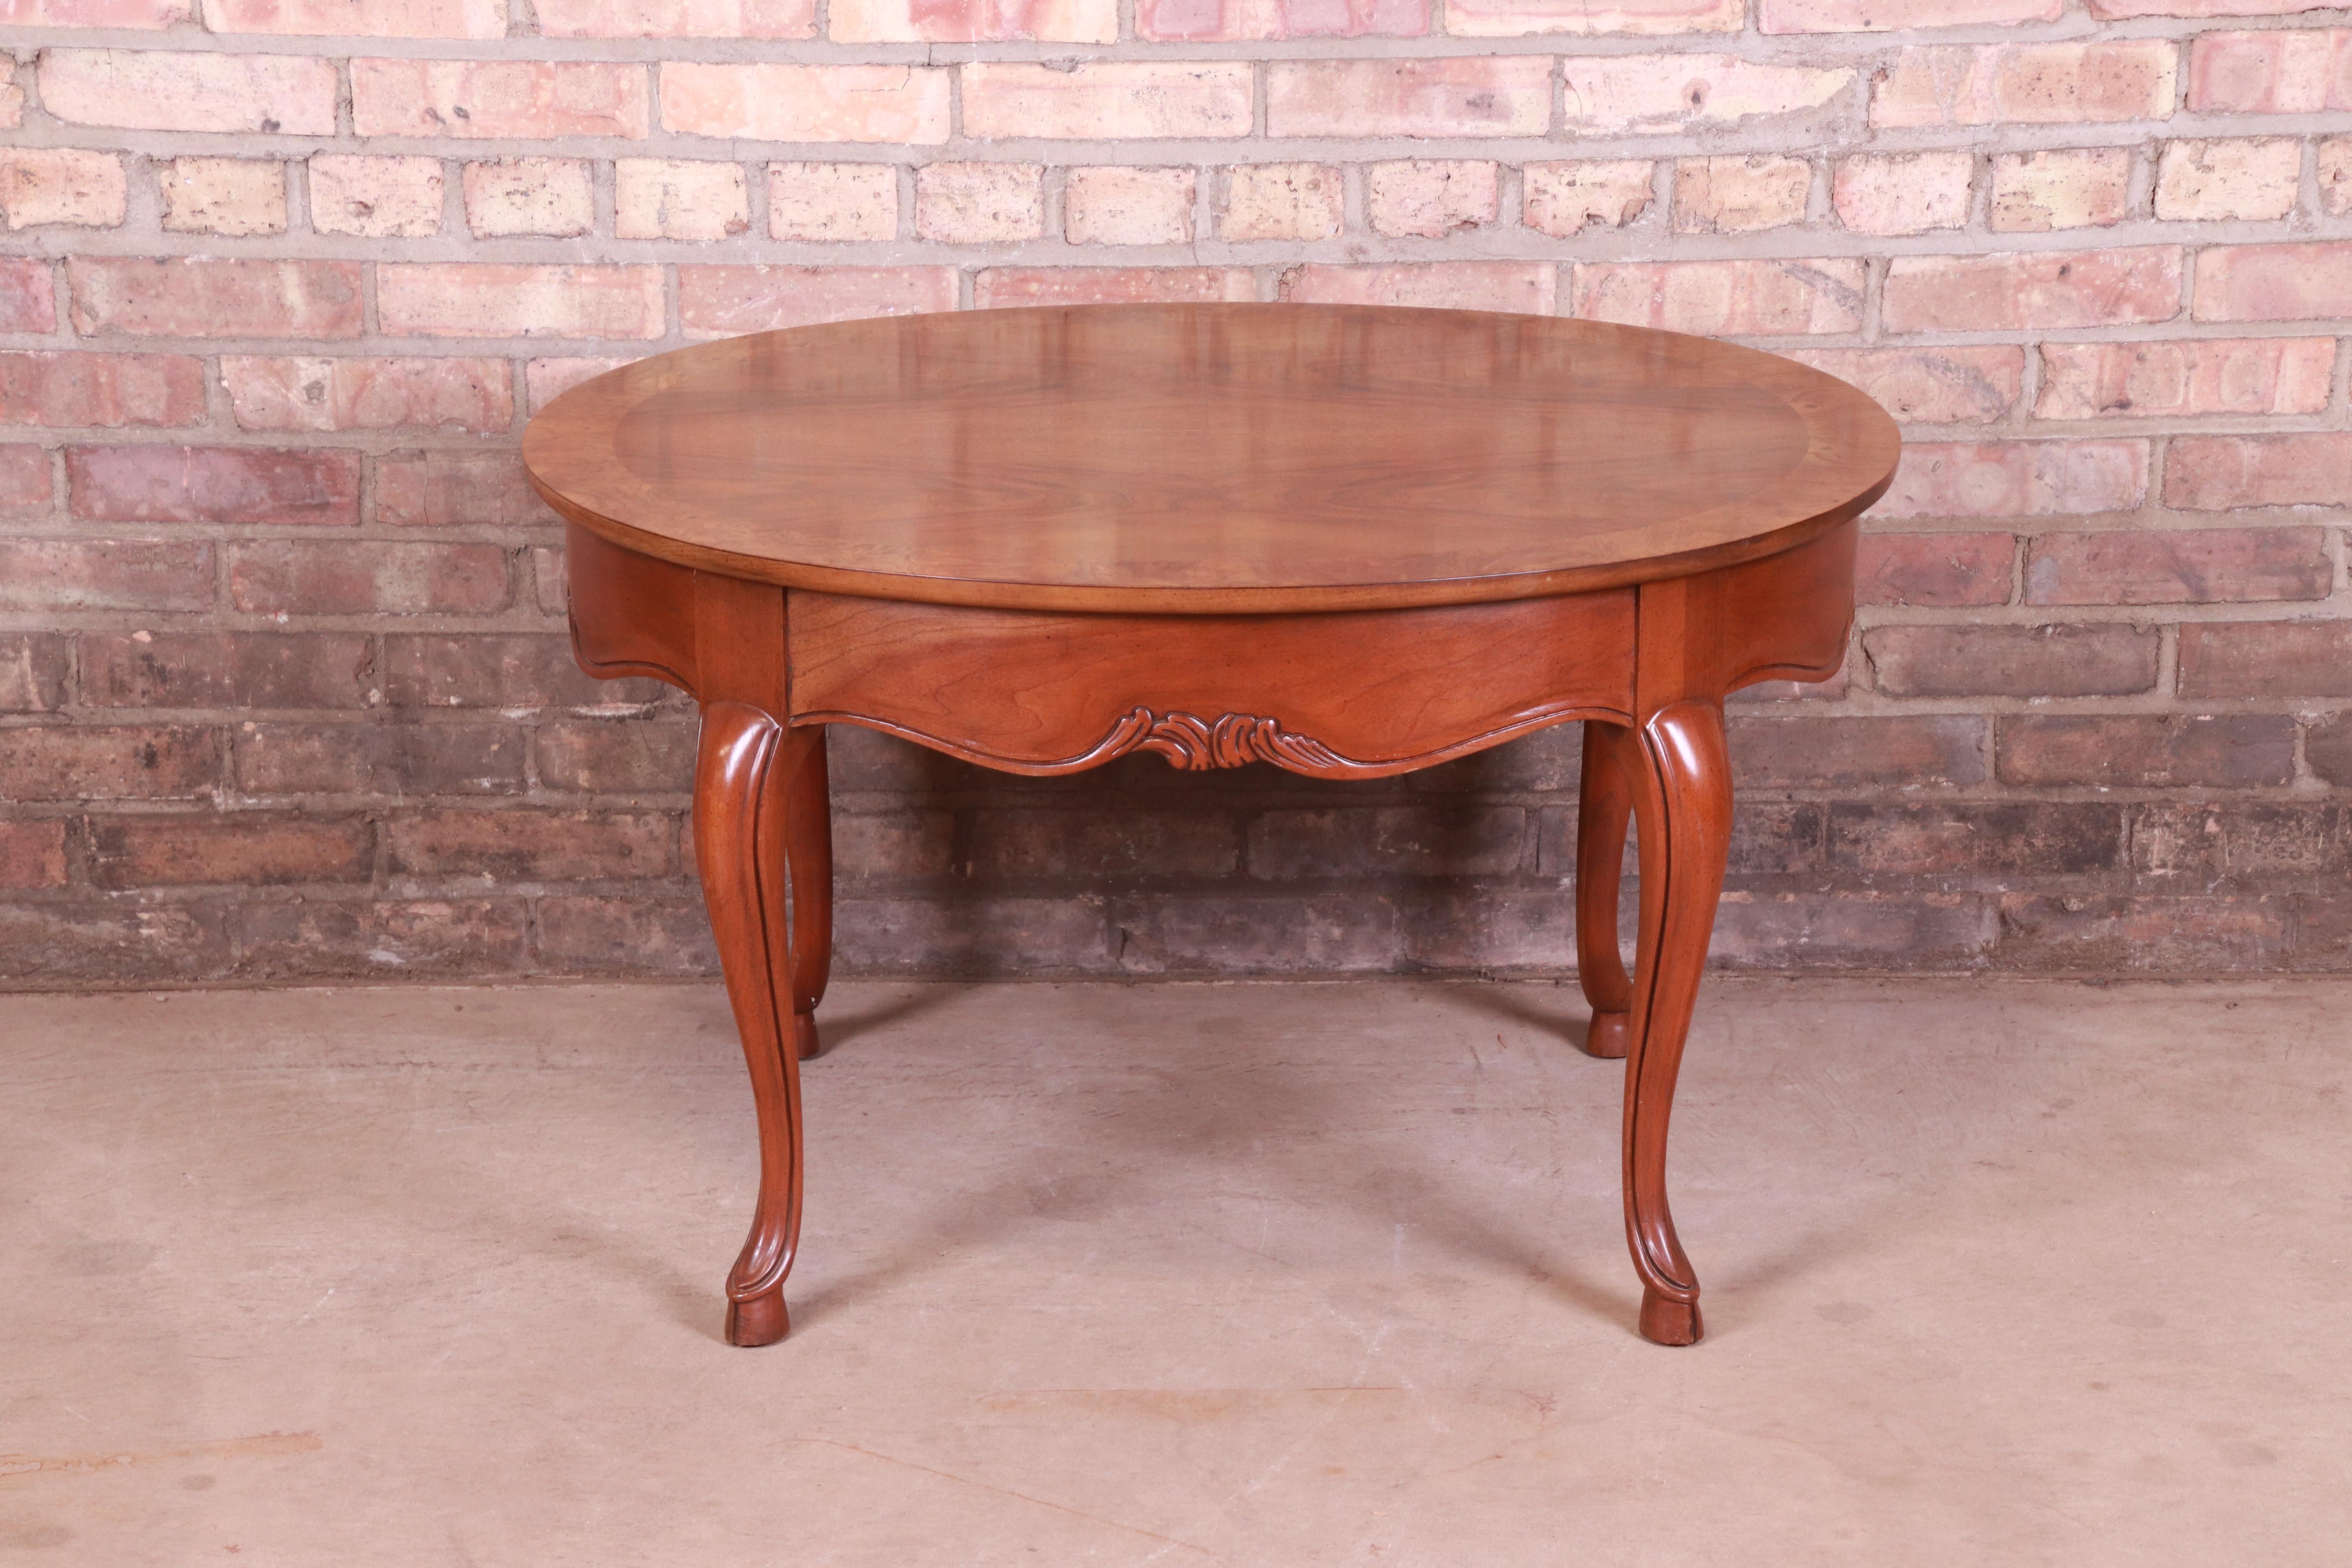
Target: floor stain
[18, 1469]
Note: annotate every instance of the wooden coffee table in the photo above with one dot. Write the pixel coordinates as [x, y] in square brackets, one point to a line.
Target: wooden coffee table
[1349, 541]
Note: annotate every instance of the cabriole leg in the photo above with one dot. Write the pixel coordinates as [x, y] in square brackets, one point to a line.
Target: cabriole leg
[1604, 800]
[808, 842]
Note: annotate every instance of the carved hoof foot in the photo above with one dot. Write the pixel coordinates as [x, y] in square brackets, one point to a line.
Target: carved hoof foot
[1666, 1321]
[805, 1039]
[760, 1320]
[1609, 1036]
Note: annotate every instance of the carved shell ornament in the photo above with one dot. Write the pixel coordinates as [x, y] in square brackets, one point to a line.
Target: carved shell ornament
[1228, 741]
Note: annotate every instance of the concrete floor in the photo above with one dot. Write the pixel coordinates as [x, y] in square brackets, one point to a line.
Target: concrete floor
[1263, 1274]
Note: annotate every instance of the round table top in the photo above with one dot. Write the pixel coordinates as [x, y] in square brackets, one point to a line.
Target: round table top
[1206, 459]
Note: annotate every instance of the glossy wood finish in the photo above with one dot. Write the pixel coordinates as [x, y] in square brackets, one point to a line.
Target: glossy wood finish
[1040, 540]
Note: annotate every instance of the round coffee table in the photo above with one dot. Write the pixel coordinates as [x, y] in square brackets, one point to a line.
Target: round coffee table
[1349, 541]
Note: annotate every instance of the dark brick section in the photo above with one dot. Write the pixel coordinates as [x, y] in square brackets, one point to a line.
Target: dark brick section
[228, 670]
[2170, 750]
[240, 849]
[404, 757]
[2012, 662]
[316, 940]
[2266, 658]
[35, 668]
[1977, 839]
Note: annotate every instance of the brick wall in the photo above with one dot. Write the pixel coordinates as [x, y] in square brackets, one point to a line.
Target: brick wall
[283, 688]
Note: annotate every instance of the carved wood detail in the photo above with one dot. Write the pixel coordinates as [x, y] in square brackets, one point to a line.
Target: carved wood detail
[1230, 741]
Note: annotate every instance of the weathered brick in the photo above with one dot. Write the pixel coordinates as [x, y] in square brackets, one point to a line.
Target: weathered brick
[721, 302]
[2141, 933]
[1520, 286]
[60, 185]
[227, 669]
[973, 21]
[544, 380]
[71, 388]
[1355, 843]
[1561, 199]
[979, 204]
[2158, 751]
[1117, 844]
[2266, 658]
[245, 849]
[2177, 566]
[1903, 193]
[491, 299]
[2272, 282]
[1934, 571]
[1460, 96]
[2210, 375]
[190, 89]
[2336, 176]
[526, 844]
[273, 758]
[2214, 473]
[2076, 187]
[213, 484]
[23, 479]
[1887, 15]
[1263, 934]
[630, 935]
[1851, 930]
[33, 669]
[28, 300]
[2327, 747]
[1430, 197]
[1280, 201]
[211, 297]
[75, 574]
[1724, 298]
[2033, 838]
[2104, 660]
[312, 938]
[361, 18]
[668, 198]
[840, 201]
[894, 846]
[506, 101]
[32, 855]
[775, 102]
[2024, 291]
[397, 198]
[1905, 752]
[110, 944]
[2017, 478]
[1127, 99]
[1112, 205]
[1003, 286]
[354, 394]
[2027, 84]
[2241, 843]
[1179, 20]
[1738, 194]
[676, 19]
[2252, 179]
[528, 195]
[224, 196]
[12, 106]
[105, 761]
[527, 669]
[616, 757]
[1929, 386]
[338, 577]
[2287, 71]
[123, 13]
[449, 489]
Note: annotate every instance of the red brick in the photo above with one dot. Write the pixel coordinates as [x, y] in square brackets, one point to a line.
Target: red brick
[549, 589]
[491, 299]
[208, 296]
[1934, 571]
[1520, 286]
[333, 577]
[32, 855]
[124, 13]
[354, 394]
[2017, 478]
[110, 943]
[1456, 96]
[2037, 838]
[28, 299]
[23, 479]
[2031, 289]
[105, 575]
[245, 848]
[506, 101]
[309, 939]
[446, 489]
[69, 389]
[2151, 751]
[1929, 386]
[2214, 473]
[721, 302]
[214, 484]
[2266, 658]
[883, 103]
[1172, 21]
[97, 761]
[1906, 753]
[973, 21]
[2168, 566]
[2283, 72]
[228, 670]
[629, 935]
[2327, 747]
[2125, 933]
[1001, 285]
[2210, 375]
[2242, 842]
[2107, 660]
[190, 89]
[616, 756]
[360, 19]
[1636, 94]
[401, 759]
[1888, 16]
[2272, 282]
[676, 18]
[527, 669]
[2336, 176]
[532, 845]
[2027, 84]
[1724, 298]
[34, 670]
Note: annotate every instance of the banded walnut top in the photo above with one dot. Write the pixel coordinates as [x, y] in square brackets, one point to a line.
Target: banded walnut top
[1205, 459]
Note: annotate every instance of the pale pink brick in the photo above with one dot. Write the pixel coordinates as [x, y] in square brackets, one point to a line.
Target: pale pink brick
[375, 196]
[2220, 473]
[1430, 197]
[2336, 176]
[1526, 287]
[357, 577]
[1718, 297]
[1889, 16]
[1903, 193]
[1005, 286]
[72, 389]
[323, 394]
[721, 302]
[1560, 199]
[2029, 84]
[2119, 10]
[2020, 291]
[1112, 205]
[1739, 194]
[453, 488]
[153, 483]
[528, 195]
[1517, 18]
[1106, 99]
[974, 21]
[23, 479]
[1634, 93]
[832, 202]
[676, 19]
[224, 196]
[2076, 187]
[202, 297]
[1504, 96]
[361, 18]
[1177, 20]
[12, 106]
[188, 90]
[480, 300]
[517, 100]
[2017, 478]
[806, 104]
[28, 300]
[545, 379]
[2251, 179]
[61, 185]
[2273, 282]
[666, 198]
[1280, 201]
[979, 204]
[2283, 72]
[1950, 386]
[2213, 375]
[126, 14]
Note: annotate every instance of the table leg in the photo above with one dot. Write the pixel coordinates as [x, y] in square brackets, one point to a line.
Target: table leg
[1682, 807]
[744, 777]
[1604, 800]
[808, 847]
